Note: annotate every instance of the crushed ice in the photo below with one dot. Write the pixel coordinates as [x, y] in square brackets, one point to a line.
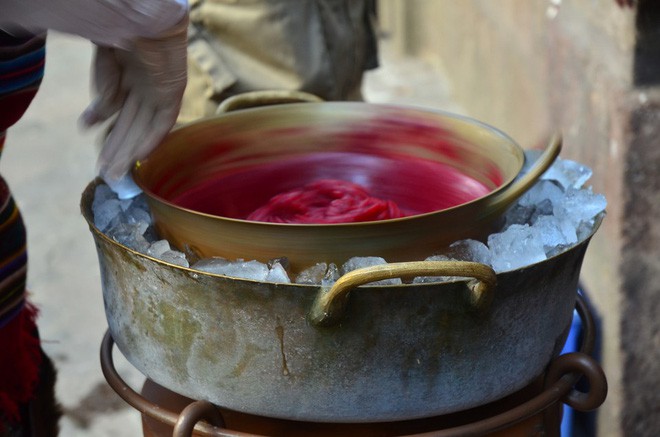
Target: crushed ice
[554, 215]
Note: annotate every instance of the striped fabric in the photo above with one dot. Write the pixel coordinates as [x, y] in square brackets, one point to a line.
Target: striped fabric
[13, 257]
[21, 71]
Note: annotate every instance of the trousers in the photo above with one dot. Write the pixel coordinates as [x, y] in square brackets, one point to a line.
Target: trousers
[321, 47]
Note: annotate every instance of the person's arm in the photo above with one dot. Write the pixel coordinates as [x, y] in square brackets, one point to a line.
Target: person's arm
[139, 68]
[105, 22]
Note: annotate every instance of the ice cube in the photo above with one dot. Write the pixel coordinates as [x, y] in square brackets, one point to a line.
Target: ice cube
[359, 262]
[331, 275]
[158, 248]
[102, 193]
[564, 171]
[537, 201]
[136, 212]
[312, 275]
[555, 233]
[569, 174]
[278, 274]
[105, 211]
[211, 265]
[470, 250]
[580, 205]
[254, 270]
[516, 247]
[141, 202]
[585, 229]
[430, 279]
[540, 191]
[131, 235]
[174, 257]
[124, 204]
[518, 215]
[542, 208]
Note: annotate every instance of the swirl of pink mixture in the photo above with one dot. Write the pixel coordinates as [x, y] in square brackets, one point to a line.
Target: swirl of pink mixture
[326, 201]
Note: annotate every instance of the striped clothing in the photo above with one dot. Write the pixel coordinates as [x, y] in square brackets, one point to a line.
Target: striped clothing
[21, 71]
[13, 257]
[22, 63]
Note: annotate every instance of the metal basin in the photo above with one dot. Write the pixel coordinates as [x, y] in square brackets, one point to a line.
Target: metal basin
[355, 353]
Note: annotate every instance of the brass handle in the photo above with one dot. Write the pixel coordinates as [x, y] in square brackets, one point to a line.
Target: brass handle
[329, 304]
[506, 197]
[255, 99]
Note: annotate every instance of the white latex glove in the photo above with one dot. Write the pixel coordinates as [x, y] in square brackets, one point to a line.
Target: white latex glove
[106, 22]
[143, 87]
[139, 71]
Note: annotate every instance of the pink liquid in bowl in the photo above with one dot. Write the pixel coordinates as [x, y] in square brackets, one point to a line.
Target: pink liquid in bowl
[395, 186]
[326, 201]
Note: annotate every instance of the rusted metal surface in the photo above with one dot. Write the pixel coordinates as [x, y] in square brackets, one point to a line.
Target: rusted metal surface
[398, 352]
[531, 411]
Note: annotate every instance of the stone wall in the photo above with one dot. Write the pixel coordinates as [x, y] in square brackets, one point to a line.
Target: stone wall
[587, 68]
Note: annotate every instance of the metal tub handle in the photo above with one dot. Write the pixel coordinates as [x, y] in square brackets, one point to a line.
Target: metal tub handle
[329, 304]
[520, 186]
[254, 99]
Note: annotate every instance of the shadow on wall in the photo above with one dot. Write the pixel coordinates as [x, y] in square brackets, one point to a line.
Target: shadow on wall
[647, 50]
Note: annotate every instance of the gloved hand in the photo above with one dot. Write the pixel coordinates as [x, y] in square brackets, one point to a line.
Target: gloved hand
[139, 70]
[144, 87]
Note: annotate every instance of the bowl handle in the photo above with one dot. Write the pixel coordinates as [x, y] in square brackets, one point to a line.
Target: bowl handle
[506, 197]
[254, 99]
[328, 307]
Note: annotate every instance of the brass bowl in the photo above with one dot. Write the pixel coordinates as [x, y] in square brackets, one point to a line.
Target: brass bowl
[236, 161]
